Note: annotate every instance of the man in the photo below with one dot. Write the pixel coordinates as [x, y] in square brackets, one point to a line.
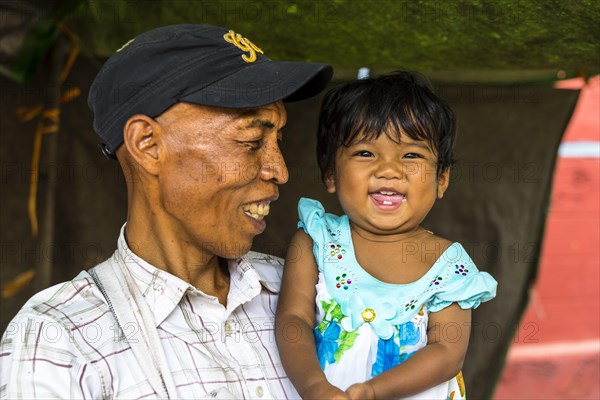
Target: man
[193, 114]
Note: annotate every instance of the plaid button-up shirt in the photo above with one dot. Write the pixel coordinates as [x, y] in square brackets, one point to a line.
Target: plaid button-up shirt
[65, 342]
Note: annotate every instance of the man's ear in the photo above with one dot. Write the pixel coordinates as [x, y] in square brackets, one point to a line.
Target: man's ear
[141, 139]
[443, 180]
[329, 181]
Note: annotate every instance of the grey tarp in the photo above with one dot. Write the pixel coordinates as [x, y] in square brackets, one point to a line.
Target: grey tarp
[495, 206]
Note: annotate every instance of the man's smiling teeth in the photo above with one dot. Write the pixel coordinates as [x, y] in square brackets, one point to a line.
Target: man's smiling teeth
[258, 211]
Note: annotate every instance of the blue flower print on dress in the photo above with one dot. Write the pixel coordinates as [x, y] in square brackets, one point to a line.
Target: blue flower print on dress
[388, 356]
[409, 334]
[377, 316]
[327, 344]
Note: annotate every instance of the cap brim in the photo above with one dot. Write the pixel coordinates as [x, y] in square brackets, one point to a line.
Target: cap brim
[263, 83]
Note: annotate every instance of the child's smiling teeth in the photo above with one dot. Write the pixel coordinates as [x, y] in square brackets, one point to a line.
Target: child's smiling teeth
[387, 194]
[387, 197]
[258, 210]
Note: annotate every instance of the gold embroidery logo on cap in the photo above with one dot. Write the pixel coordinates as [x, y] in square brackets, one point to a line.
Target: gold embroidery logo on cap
[244, 45]
[125, 45]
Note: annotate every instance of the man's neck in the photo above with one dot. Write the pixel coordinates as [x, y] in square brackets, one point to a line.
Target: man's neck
[168, 250]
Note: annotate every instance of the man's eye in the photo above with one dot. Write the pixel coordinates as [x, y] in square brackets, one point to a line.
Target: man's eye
[254, 144]
[362, 153]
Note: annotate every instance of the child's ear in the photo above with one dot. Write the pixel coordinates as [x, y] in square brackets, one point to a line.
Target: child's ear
[443, 181]
[330, 182]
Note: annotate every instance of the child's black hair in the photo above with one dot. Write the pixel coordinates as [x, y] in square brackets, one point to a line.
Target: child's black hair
[401, 102]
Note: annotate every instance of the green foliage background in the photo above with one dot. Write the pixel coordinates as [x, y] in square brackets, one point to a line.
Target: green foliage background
[425, 35]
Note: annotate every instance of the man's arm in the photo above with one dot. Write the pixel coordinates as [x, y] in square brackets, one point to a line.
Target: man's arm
[38, 359]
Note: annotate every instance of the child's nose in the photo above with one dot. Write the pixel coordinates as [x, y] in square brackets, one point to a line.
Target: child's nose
[389, 170]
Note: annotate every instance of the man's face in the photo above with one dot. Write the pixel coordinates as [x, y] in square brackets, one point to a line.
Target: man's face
[220, 171]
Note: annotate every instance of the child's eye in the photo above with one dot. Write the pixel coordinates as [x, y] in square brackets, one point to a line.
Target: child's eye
[412, 155]
[363, 153]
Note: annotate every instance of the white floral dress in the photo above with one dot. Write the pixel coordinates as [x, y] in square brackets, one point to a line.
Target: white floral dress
[366, 326]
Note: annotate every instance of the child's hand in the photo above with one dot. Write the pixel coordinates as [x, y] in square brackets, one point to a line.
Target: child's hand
[324, 390]
[361, 391]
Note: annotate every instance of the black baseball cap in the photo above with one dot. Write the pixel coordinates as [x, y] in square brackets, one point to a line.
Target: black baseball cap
[200, 64]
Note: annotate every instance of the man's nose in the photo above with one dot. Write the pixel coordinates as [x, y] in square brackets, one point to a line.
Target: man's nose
[273, 168]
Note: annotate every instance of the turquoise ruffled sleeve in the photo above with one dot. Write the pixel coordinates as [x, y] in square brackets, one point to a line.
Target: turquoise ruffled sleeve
[327, 231]
[311, 214]
[460, 282]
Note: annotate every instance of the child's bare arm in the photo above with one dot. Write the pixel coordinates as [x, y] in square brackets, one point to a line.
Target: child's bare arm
[296, 320]
[439, 361]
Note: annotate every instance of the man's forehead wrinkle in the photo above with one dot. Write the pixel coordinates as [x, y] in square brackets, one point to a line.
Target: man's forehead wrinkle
[266, 118]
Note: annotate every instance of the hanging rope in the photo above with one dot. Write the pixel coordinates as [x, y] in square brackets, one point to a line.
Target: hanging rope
[49, 123]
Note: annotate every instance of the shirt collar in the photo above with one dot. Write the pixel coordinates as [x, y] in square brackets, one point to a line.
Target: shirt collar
[268, 268]
[163, 291]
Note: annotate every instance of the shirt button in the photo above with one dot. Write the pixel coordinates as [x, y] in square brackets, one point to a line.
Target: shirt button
[259, 391]
[228, 329]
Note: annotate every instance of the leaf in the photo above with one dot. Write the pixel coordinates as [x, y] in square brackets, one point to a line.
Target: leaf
[326, 306]
[331, 312]
[323, 325]
[346, 342]
[336, 313]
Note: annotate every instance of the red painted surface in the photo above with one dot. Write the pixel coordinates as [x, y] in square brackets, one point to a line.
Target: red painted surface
[585, 122]
[556, 353]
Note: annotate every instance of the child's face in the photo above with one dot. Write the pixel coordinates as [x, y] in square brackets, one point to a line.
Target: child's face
[386, 187]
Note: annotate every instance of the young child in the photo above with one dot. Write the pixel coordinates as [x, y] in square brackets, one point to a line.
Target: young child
[393, 300]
